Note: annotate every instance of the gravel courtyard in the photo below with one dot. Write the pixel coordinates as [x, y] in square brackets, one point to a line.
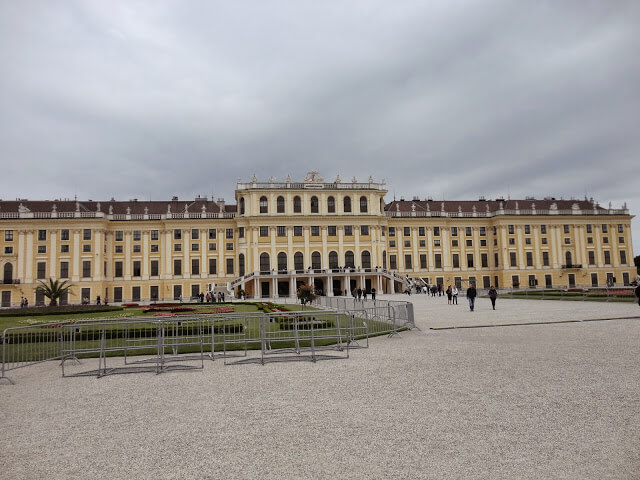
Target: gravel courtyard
[556, 400]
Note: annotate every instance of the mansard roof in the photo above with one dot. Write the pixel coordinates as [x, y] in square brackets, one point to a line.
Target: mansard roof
[481, 206]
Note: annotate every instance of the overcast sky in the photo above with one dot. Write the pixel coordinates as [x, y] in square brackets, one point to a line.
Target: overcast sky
[447, 99]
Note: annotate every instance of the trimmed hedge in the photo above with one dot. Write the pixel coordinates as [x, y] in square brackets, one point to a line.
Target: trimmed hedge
[59, 310]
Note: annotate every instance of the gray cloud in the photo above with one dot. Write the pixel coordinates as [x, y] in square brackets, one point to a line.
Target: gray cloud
[446, 99]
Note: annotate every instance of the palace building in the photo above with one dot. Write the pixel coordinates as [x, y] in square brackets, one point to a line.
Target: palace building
[337, 235]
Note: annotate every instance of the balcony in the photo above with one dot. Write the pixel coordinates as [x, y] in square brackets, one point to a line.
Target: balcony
[572, 265]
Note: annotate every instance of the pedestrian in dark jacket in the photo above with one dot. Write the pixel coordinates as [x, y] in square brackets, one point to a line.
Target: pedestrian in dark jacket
[471, 296]
[493, 294]
[638, 293]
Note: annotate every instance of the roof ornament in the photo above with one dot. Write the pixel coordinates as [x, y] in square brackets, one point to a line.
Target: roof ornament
[254, 179]
[370, 179]
[442, 206]
[98, 207]
[459, 209]
[288, 178]
[397, 207]
[272, 179]
[54, 208]
[186, 208]
[204, 208]
[501, 205]
[110, 209]
[169, 209]
[474, 209]
[413, 207]
[517, 206]
[77, 206]
[313, 177]
[338, 179]
[146, 210]
[554, 206]
[533, 206]
[128, 210]
[487, 205]
[22, 208]
[354, 179]
[428, 207]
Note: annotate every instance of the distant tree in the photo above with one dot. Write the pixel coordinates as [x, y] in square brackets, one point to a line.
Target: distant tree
[53, 290]
[306, 294]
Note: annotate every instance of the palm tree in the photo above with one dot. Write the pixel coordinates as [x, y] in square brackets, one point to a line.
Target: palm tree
[53, 290]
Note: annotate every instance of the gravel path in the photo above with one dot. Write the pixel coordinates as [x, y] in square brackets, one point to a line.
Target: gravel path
[528, 401]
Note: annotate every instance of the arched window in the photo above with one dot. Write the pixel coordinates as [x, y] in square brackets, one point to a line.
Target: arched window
[568, 257]
[347, 204]
[314, 204]
[8, 273]
[363, 204]
[384, 259]
[366, 259]
[331, 205]
[265, 264]
[241, 264]
[298, 262]
[241, 206]
[316, 263]
[282, 262]
[280, 204]
[264, 205]
[297, 205]
[348, 259]
[333, 260]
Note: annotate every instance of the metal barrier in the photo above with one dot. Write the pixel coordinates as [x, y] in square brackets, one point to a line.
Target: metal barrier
[607, 294]
[381, 316]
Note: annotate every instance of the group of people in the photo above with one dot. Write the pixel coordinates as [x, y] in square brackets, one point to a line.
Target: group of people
[361, 294]
[24, 303]
[452, 293]
[210, 297]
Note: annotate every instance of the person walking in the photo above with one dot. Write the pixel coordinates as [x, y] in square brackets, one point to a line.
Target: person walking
[471, 295]
[454, 295]
[449, 294]
[637, 292]
[493, 294]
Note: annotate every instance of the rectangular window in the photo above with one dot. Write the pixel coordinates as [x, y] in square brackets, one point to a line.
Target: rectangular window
[135, 294]
[623, 257]
[177, 266]
[421, 231]
[620, 239]
[282, 231]
[436, 231]
[212, 247]
[195, 266]
[332, 231]
[467, 231]
[620, 228]
[454, 231]
[240, 232]
[42, 235]
[213, 268]
[605, 239]
[195, 247]
[605, 228]
[512, 241]
[407, 262]
[544, 241]
[392, 262]
[86, 234]
[529, 259]
[64, 269]
[422, 243]
[155, 235]
[137, 235]
[469, 243]
[407, 231]
[483, 231]
[527, 241]
[86, 248]
[177, 292]
[484, 260]
[589, 228]
[392, 231]
[511, 229]
[566, 229]
[392, 243]
[495, 259]
[545, 259]
[137, 248]
[8, 250]
[436, 242]
[136, 268]
[8, 235]
[154, 292]
[513, 259]
[117, 294]
[470, 260]
[212, 234]
[264, 231]
[364, 230]
[177, 247]
[297, 231]
[407, 243]
[229, 233]
[527, 229]
[155, 268]
[592, 257]
[315, 231]
[64, 235]
[195, 234]
[229, 246]
[423, 261]
[454, 243]
[41, 270]
[456, 260]
[483, 242]
[348, 231]
[42, 249]
[86, 268]
[118, 269]
[118, 248]
[567, 241]
[229, 266]
[119, 235]
[543, 229]
[177, 234]
[438, 260]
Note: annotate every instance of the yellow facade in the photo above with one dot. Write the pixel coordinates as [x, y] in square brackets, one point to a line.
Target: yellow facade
[339, 236]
